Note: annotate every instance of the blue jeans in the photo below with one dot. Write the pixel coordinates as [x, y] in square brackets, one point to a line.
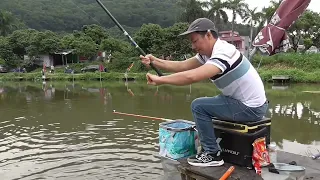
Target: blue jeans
[224, 108]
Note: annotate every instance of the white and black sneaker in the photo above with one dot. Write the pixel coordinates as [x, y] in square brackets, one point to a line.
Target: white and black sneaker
[205, 159]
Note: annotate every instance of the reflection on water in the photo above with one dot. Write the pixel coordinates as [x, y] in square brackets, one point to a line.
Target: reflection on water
[67, 131]
[296, 122]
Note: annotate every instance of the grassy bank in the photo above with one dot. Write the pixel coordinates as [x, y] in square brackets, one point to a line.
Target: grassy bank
[68, 77]
[301, 68]
[306, 61]
[296, 75]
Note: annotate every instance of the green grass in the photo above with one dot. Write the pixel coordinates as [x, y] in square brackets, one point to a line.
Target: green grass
[307, 62]
[296, 75]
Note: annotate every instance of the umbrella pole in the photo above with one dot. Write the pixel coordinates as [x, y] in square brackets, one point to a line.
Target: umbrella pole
[259, 62]
[254, 50]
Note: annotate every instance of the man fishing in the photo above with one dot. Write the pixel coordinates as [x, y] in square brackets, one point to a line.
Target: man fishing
[243, 96]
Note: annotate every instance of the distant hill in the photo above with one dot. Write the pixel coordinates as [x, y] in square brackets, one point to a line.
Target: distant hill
[68, 15]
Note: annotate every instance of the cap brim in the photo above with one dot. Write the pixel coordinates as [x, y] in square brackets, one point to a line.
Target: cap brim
[186, 33]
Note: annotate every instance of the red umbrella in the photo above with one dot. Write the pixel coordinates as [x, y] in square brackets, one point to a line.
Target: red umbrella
[273, 38]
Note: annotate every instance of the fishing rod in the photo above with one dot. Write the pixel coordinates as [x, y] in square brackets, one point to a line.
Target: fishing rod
[142, 116]
[128, 36]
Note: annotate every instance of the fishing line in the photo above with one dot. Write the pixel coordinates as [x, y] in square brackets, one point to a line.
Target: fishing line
[126, 78]
[130, 66]
[85, 12]
[128, 36]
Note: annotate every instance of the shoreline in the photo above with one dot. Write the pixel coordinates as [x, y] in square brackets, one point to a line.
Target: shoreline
[296, 76]
[69, 77]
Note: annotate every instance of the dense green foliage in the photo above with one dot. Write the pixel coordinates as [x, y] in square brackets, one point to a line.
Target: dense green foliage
[93, 38]
[69, 15]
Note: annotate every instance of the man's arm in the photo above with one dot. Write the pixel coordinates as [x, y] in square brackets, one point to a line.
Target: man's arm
[176, 66]
[191, 76]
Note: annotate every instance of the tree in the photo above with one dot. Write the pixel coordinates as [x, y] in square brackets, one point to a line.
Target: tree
[67, 41]
[252, 17]
[148, 36]
[216, 11]
[172, 44]
[97, 33]
[238, 7]
[6, 51]
[43, 43]
[306, 30]
[192, 10]
[316, 37]
[83, 45]
[19, 40]
[268, 12]
[7, 23]
[69, 15]
[114, 45]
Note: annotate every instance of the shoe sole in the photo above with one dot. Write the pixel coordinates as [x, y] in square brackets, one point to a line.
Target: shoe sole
[209, 164]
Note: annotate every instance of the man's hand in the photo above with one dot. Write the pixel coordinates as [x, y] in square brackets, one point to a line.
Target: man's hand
[153, 79]
[147, 59]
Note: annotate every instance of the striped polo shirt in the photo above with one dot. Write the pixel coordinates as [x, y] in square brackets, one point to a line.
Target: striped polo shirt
[238, 78]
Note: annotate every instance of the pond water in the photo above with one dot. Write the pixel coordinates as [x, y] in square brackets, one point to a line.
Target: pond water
[66, 130]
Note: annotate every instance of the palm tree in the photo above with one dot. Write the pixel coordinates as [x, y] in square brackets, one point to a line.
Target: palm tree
[268, 12]
[216, 11]
[237, 7]
[192, 10]
[7, 23]
[253, 18]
